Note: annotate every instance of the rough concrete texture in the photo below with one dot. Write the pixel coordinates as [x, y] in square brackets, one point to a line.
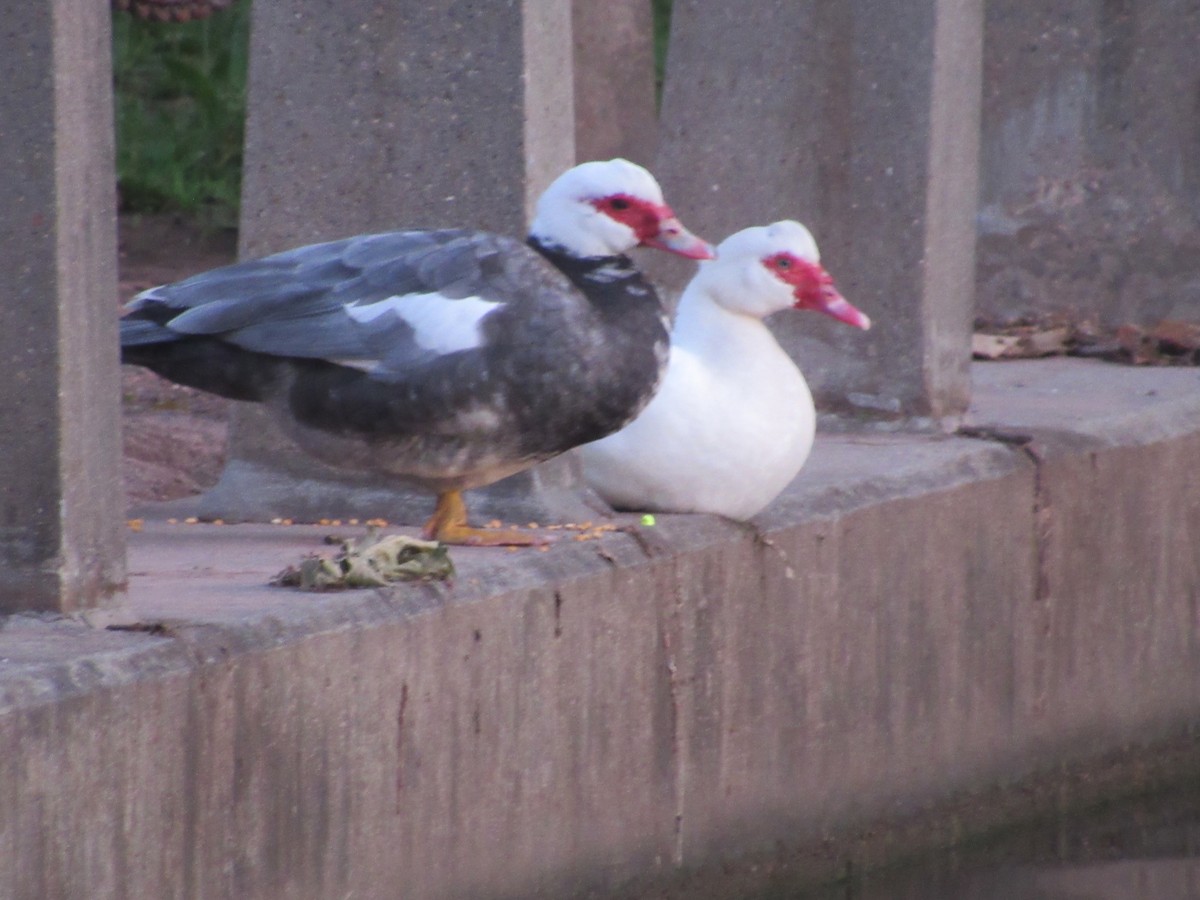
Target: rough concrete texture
[61, 547]
[917, 617]
[1118, 526]
[615, 105]
[1090, 183]
[459, 114]
[864, 125]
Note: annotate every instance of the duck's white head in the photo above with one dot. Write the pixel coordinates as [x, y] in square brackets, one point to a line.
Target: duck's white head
[762, 270]
[608, 208]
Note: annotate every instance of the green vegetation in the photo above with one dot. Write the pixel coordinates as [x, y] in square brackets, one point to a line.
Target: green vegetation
[662, 33]
[180, 108]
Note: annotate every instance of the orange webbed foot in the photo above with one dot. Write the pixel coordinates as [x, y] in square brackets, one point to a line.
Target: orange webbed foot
[449, 525]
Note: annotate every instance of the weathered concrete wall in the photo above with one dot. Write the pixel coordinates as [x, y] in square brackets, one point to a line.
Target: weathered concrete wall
[917, 617]
[885, 664]
[60, 539]
[1118, 572]
[1104, 507]
[1090, 175]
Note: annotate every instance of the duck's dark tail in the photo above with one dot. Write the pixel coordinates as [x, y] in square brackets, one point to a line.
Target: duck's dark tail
[202, 362]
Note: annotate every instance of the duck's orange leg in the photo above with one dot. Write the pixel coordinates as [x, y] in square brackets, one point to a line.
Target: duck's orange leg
[449, 525]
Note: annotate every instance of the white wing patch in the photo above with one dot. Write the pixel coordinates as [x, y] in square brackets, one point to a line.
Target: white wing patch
[607, 274]
[438, 324]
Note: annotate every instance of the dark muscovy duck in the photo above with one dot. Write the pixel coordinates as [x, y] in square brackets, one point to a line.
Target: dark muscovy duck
[734, 420]
[448, 359]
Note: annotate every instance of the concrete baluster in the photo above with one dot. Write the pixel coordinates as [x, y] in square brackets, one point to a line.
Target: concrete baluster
[61, 530]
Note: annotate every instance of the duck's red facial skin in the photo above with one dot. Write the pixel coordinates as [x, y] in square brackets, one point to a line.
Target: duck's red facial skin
[814, 289]
[655, 225]
[640, 215]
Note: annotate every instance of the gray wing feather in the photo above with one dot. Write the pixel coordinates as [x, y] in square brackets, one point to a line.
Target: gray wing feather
[293, 303]
[280, 302]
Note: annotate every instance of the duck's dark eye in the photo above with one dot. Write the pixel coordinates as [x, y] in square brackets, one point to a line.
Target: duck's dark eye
[782, 262]
[618, 203]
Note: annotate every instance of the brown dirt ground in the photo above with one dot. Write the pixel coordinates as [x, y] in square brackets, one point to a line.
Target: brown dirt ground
[174, 437]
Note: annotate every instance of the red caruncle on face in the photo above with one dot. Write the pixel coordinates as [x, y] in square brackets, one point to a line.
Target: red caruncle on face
[808, 279]
[642, 216]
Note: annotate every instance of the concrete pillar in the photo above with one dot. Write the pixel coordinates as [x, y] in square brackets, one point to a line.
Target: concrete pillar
[61, 530]
[365, 116]
[370, 117]
[861, 121]
[1090, 181]
[615, 106]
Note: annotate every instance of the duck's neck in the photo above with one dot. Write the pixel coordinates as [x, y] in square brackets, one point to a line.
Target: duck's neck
[585, 272]
[612, 284]
[708, 329]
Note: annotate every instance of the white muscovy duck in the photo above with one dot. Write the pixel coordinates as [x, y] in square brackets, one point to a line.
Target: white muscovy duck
[448, 359]
[733, 421]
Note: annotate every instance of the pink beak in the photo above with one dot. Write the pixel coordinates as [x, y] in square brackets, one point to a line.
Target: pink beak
[832, 303]
[674, 238]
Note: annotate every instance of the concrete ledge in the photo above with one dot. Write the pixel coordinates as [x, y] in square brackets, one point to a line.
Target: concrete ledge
[919, 618]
